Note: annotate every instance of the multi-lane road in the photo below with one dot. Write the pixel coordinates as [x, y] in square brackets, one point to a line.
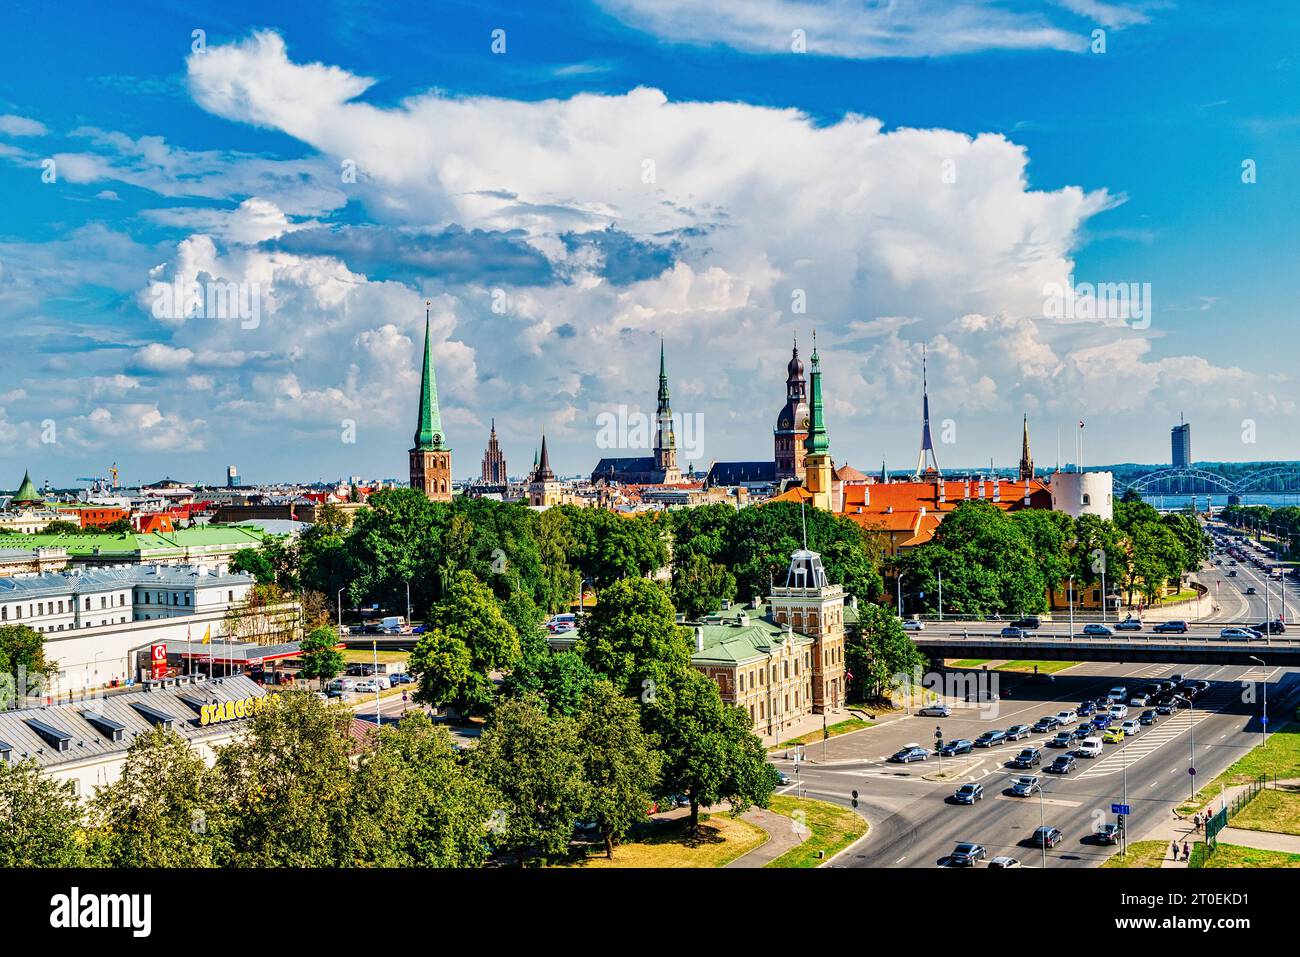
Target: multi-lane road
[914, 822]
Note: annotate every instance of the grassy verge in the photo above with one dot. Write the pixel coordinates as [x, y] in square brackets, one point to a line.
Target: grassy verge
[362, 656]
[1187, 594]
[1271, 810]
[1140, 854]
[1279, 758]
[722, 840]
[1044, 667]
[971, 662]
[1232, 855]
[840, 727]
[831, 829]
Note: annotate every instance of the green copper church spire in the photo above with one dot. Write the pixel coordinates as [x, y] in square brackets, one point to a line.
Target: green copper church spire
[817, 440]
[26, 494]
[428, 434]
[663, 380]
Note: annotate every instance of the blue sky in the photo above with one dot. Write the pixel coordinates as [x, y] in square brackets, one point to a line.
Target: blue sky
[510, 190]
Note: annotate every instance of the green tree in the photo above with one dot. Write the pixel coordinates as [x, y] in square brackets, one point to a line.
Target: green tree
[286, 784]
[877, 653]
[321, 657]
[160, 812]
[121, 526]
[632, 635]
[699, 586]
[61, 527]
[23, 665]
[470, 615]
[40, 818]
[609, 546]
[709, 752]
[619, 762]
[255, 562]
[533, 761]
[415, 804]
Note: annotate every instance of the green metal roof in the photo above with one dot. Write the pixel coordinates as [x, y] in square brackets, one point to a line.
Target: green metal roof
[727, 643]
[26, 492]
[428, 434]
[150, 543]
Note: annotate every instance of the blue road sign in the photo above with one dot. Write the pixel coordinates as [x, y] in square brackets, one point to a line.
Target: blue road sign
[1264, 721]
[1119, 809]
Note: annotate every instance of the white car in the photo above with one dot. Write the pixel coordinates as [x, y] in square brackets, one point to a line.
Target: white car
[1066, 717]
[1130, 727]
[935, 711]
[1118, 712]
[343, 684]
[914, 624]
[368, 686]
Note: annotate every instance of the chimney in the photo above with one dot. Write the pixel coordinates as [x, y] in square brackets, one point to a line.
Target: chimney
[923, 511]
[997, 489]
[1026, 495]
[742, 620]
[866, 495]
[699, 638]
[981, 486]
[965, 488]
[941, 490]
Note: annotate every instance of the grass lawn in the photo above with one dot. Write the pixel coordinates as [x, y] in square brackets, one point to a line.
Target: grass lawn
[722, 840]
[832, 829]
[971, 662]
[1271, 811]
[1280, 758]
[1141, 854]
[1044, 667]
[1230, 855]
[364, 657]
[838, 728]
[1187, 594]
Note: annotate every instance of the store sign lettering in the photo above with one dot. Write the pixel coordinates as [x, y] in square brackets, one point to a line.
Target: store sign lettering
[231, 710]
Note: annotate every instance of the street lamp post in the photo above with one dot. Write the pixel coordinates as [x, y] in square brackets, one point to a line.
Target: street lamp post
[1071, 598]
[340, 600]
[1263, 725]
[940, 594]
[1042, 825]
[900, 594]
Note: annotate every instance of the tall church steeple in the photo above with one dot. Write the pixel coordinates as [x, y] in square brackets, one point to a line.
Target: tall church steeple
[665, 439]
[1026, 459]
[792, 422]
[817, 461]
[431, 456]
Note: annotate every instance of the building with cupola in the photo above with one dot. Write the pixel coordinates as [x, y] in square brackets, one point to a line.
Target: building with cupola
[431, 456]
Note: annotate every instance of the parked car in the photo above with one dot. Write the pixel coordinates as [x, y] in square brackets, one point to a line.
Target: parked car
[1025, 786]
[969, 793]
[1063, 764]
[1028, 758]
[1017, 731]
[960, 746]
[1171, 627]
[1002, 863]
[1097, 628]
[965, 854]
[909, 753]
[935, 711]
[1047, 836]
[359, 670]
[990, 738]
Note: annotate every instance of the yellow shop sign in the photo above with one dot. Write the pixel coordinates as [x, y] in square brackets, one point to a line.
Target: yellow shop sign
[231, 710]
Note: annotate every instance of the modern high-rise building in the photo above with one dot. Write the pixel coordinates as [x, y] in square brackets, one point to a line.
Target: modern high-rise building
[232, 477]
[431, 456]
[1180, 441]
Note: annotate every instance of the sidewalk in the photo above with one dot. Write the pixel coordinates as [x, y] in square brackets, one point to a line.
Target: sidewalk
[1261, 840]
[812, 724]
[1181, 830]
[782, 834]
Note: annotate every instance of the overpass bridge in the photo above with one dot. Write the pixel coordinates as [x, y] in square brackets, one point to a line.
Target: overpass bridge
[1198, 647]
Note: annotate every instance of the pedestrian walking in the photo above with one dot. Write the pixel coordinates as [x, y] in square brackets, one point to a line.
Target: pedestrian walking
[1173, 846]
[1187, 851]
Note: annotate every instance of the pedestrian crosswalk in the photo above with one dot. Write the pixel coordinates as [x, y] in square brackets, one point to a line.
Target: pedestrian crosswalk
[1152, 738]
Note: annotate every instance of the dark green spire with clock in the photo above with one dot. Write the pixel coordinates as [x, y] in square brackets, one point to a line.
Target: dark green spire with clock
[429, 436]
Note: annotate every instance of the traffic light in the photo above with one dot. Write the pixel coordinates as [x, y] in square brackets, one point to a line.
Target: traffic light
[1119, 822]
